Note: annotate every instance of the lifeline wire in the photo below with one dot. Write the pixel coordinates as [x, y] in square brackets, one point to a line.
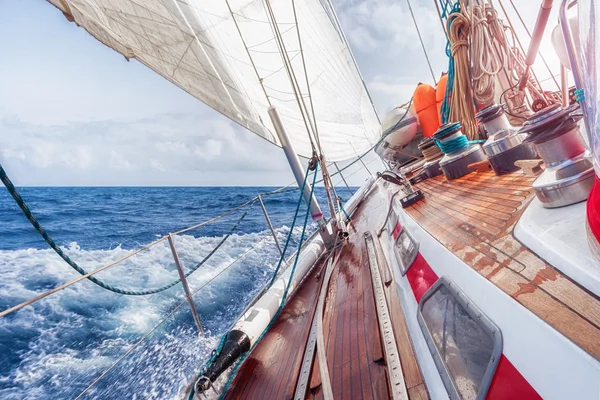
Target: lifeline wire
[27, 212]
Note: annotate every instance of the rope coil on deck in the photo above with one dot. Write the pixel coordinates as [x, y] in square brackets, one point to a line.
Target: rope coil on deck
[432, 153]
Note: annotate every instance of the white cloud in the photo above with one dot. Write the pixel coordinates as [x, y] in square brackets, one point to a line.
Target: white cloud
[168, 149]
[118, 162]
[387, 47]
[157, 166]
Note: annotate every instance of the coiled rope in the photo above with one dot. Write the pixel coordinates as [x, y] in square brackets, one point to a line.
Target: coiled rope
[461, 107]
[431, 153]
[29, 215]
[488, 56]
[456, 144]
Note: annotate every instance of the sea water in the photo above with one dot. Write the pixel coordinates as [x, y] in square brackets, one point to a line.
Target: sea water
[57, 347]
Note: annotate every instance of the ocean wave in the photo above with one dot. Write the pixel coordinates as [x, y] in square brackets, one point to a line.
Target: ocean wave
[59, 345]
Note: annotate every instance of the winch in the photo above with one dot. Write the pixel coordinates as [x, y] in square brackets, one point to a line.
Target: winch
[569, 173]
[505, 143]
[433, 156]
[459, 153]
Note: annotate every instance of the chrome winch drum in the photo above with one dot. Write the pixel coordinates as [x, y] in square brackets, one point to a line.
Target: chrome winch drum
[458, 152]
[505, 147]
[569, 173]
[493, 119]
[433, 155]
[505, 144]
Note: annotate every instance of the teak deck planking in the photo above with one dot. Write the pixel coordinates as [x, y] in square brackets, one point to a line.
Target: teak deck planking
[350, 327]
[474, 217]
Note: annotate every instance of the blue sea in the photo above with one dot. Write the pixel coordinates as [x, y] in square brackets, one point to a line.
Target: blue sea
[58, 346]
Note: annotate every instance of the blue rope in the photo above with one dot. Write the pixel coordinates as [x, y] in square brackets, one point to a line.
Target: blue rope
[456, 144]
[218, 350]
[344, 211]
[579, 95]
[446, 7]
[27, 212]
[445, 109]
[287, 240]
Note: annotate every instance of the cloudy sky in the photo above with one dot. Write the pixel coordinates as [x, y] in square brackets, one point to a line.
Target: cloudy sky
[73, 112]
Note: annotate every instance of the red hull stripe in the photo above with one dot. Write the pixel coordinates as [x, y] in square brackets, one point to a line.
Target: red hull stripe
[397, 230]
[508, 383]
[421, 277]
[593, 209]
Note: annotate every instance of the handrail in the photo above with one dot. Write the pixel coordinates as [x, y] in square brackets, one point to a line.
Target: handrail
[184, 283]
[79, 279]
[181, 303]
[111, 264]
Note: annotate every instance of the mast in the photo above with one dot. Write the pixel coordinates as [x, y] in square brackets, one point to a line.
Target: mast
[295, 165]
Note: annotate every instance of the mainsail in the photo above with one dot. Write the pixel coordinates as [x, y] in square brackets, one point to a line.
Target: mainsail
[226, 54]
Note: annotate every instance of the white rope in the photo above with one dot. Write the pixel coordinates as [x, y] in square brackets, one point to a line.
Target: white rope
[489, 53]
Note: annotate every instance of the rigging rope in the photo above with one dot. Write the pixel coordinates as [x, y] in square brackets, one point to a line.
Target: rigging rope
[218, 350]
[461, 107]
[284, 297]
[488, 56]
[421, 40]
[287, 241]
[29, 215]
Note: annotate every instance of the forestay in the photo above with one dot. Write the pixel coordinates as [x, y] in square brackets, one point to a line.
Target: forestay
[197, 46]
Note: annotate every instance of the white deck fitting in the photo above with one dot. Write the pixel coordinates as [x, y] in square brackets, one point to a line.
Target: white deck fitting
[558, 235]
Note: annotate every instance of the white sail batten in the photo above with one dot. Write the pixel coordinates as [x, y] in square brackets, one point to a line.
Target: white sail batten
[230, 60]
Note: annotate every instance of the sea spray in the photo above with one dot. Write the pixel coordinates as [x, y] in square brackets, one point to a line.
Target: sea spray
[57, 347]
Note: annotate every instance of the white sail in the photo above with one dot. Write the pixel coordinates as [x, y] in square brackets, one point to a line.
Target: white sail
[226, 55]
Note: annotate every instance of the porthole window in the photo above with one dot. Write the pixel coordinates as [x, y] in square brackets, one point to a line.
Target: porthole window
[465, 344]
[406, 249]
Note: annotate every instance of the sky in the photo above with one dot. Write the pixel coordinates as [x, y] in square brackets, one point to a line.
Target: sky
[74, 112]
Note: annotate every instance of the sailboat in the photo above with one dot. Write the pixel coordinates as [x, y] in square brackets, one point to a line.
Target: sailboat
[468, 269]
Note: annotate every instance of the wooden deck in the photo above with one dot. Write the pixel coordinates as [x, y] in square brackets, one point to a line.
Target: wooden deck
[474, 217]
[350, 326]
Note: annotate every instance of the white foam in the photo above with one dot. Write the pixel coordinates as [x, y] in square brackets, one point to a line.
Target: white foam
[75, 334]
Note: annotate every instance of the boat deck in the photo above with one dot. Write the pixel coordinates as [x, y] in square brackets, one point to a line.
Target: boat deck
[474, 217]
[350, 328]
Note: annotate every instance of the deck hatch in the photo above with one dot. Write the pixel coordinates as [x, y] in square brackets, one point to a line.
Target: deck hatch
[406, 248]
[466, 345]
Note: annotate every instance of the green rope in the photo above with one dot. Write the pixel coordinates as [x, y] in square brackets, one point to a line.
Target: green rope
[285, 293]
[25, 209]
[217, 351]
[287, 240]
